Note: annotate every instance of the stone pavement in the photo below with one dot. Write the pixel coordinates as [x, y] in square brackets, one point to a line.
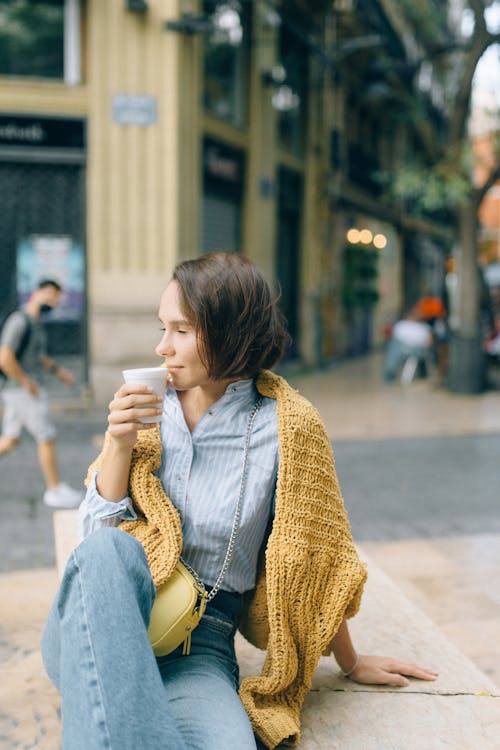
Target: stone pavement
[356, 405]
[450, 576]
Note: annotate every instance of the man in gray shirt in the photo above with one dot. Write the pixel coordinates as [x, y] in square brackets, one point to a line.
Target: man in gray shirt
[23, 359]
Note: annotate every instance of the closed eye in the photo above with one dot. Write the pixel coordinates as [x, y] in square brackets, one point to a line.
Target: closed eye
[177, 330]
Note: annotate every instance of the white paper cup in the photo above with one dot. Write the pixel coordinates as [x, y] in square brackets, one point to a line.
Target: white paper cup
[155, 378]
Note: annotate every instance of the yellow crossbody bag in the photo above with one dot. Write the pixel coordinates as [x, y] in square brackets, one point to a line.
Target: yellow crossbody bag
[177, 610]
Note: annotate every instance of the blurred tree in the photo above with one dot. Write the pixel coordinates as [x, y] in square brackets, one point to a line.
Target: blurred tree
[436, 178]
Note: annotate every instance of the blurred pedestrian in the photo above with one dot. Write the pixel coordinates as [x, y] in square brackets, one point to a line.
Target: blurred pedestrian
[240, 463]
[410, 338]
[23, 359]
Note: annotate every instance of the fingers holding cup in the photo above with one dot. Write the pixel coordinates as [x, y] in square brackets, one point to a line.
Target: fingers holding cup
[154, 378]
[134, 408]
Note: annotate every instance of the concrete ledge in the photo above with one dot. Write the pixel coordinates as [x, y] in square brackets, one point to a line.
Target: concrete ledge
[459, 711]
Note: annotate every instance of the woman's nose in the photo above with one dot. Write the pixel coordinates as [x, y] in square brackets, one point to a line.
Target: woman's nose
[164, 348]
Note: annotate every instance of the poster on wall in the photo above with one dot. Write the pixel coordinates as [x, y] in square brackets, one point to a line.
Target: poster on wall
[58, 257]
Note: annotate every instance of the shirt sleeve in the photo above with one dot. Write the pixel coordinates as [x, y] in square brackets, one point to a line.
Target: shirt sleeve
[95, 512]
[13, 330]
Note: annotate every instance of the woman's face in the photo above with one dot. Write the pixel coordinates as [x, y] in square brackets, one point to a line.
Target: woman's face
[179, 345]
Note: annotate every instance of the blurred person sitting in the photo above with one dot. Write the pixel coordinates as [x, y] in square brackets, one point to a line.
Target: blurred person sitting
[23, 358]
[411, 338]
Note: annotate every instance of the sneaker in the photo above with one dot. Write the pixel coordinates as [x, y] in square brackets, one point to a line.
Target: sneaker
[62, 496]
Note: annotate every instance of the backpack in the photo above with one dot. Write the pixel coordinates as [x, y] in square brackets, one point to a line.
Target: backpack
[21, 348]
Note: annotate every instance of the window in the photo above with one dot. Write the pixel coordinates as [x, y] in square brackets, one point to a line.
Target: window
[290, 99]
[225, 60]
[40, 38]
[223, 180]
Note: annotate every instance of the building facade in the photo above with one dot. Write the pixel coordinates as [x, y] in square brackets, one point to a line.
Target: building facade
[134, 134]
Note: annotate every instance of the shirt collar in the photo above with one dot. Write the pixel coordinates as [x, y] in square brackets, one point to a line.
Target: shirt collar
[240, 390]
[241, 387]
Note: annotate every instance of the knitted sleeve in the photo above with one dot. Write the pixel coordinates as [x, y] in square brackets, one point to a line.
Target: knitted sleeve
[313, 576]
[158, 527]
[311, 523]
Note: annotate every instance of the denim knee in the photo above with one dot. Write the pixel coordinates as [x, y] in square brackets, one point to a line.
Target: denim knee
[107, 543]
[108, 551]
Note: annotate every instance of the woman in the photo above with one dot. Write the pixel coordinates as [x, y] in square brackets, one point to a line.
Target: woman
[177, 487]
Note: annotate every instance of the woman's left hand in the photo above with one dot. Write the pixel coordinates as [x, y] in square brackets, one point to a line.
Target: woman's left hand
[384, 670]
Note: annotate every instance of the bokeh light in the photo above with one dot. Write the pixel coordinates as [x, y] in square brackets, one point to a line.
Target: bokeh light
[380, 241]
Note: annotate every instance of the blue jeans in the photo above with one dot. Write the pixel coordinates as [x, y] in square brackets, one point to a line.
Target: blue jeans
[395, 355]
[115, 693]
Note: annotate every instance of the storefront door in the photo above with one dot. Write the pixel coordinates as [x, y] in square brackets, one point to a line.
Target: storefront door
[42, 233]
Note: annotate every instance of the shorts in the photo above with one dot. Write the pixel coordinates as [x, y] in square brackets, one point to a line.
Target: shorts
[21, 409]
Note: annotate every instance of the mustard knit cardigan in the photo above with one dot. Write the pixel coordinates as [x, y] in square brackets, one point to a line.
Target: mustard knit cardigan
[310, 576]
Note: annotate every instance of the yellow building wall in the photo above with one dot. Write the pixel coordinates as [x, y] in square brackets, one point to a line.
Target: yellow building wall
[132, 189]
[42, 97]
[390, 282]
[132, 169]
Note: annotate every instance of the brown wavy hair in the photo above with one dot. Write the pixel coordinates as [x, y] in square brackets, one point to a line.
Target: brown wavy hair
[229, 303]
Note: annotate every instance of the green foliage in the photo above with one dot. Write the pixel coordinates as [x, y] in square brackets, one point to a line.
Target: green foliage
[360, 269]
[438, 176]
[429, 190]
[428, 24]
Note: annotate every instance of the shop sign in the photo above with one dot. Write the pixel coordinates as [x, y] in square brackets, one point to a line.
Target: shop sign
[222, 162]
[130, 109]
[41, 132]
[58, 257]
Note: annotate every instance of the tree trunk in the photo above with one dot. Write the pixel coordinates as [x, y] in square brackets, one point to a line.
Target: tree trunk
[467, 372]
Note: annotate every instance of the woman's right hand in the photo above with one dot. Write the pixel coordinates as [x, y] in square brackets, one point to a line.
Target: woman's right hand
[130, 403]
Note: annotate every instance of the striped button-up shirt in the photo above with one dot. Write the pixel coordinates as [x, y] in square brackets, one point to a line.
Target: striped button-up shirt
[201, 473]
